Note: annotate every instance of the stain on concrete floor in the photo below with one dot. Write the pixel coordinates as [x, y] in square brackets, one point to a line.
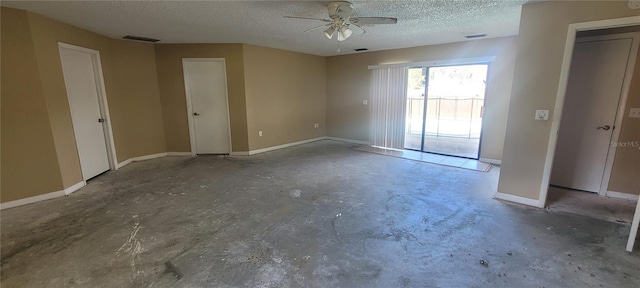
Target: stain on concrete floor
[315, 215]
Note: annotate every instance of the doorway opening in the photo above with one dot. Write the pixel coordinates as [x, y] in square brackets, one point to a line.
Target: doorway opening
[445, 105]
[580, 166]
[597, 91]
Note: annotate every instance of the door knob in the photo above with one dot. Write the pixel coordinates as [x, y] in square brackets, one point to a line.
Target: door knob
[196, 114]
[605, 127]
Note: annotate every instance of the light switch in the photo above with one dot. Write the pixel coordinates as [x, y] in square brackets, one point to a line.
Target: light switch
[634, 112]
[365, 102]
[542, 115]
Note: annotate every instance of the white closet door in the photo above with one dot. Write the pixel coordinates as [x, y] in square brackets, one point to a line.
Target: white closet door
[206, 86]
[82, 90]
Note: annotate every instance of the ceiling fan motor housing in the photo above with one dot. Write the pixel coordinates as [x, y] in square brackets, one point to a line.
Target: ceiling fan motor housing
[339, 9]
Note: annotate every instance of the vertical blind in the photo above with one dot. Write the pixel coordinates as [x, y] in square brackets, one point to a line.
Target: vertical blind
[388, 107]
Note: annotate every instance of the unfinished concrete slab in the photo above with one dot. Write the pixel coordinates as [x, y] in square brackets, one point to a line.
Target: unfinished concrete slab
[315, 215]
[590, 205]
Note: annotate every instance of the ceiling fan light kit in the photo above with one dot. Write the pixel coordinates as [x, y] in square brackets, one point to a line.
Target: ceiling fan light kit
[342, 22]
[344, 33]
[329, 32]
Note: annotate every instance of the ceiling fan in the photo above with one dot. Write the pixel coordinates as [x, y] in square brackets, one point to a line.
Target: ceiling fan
[342, 23]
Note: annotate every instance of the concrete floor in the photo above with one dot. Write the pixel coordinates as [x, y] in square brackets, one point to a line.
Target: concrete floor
[591, 205]
[315, 215]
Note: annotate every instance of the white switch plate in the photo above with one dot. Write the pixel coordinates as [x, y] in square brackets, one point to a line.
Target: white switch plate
[634, 112]
[542, 115]
[260, 133]
[634, 4]
[365, 102]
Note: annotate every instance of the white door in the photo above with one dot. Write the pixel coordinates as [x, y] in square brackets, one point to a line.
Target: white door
[206, 89]
[79, 70]
[593, 94]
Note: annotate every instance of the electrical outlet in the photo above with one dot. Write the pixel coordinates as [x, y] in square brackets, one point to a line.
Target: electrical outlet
[634, 112]
[260, 133]
[365, 102]
[316, 125]
[634, 4]
[542, 115]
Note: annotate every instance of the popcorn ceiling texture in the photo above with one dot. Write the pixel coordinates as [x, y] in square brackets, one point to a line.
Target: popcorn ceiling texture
[261, 22]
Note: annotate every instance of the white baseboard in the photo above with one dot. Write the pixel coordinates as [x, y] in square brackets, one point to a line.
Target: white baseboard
[74, 187]
[33, 199]
[239, 153]
[348, 140]
[123, 163]
[620, 195]
[253, 152]
[179, 154]
[147, 157]
[517, 199]
[43, 197]
[141, 158]
[491, 161]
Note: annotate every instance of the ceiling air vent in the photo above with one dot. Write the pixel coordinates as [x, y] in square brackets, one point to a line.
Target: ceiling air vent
[138, 38]
[475, 36]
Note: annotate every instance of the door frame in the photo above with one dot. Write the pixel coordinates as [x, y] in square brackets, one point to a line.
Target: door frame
[102, 101]
[562, 89]
[622, 100]
[192, 129]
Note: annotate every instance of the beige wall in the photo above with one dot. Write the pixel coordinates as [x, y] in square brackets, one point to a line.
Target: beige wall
[541, 41]
[132, 92]
[145, 91]
[46, 33]
[130, 80]
[174, 106]
[348, 81]
[626, 166]
[134, 102]
[29, 161]
[285, 96]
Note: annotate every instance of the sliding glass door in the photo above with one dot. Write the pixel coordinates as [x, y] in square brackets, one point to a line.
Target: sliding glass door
[444, 109]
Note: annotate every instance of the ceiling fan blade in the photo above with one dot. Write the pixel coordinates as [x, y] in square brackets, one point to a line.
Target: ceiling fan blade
[316, 28]
[356, 29]
[308, 18]
[373, 20]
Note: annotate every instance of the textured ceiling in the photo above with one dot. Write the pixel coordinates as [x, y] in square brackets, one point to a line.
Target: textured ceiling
[262, 23]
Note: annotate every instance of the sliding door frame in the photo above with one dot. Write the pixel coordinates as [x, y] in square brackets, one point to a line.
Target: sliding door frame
[425, 69]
